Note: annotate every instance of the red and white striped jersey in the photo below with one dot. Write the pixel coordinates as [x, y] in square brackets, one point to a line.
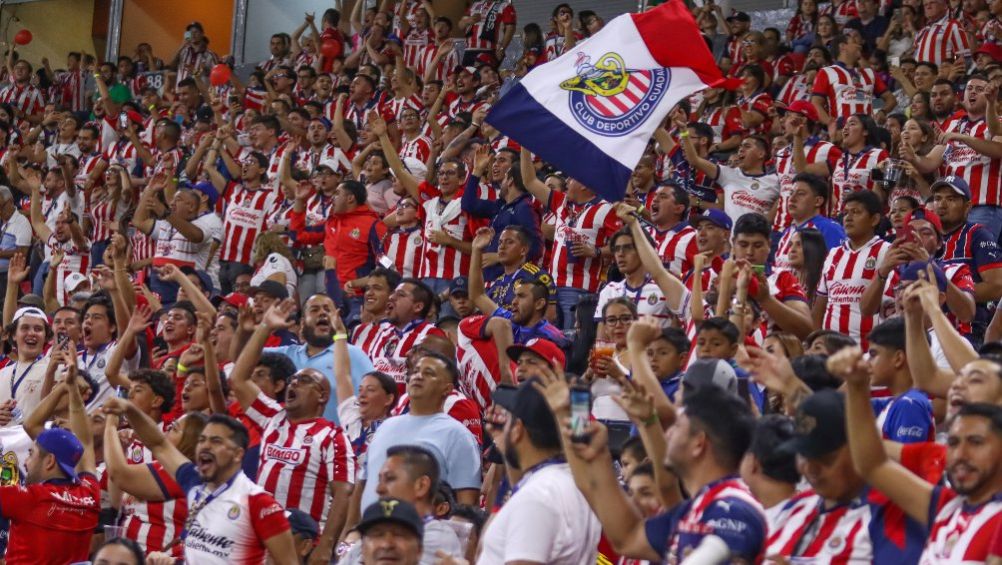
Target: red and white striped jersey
[391, 346]
[102, 214]
[716, 118]
[442, 69]
[123, 153]
[736, 50]
[299, 460]
[244, 214]
[991, 32]
[442, 261]
[940, 41]
[166, 162]
[72, 96]
[843, 12]
[816, 151]
[364, 336]
[834, 535]
[88, 164]
[799, 26]
[190, 60]
[75, 260]
[395, 106]
[414, 45]
[797, 88]
[759, 102]
[961, 532]
[676, 246]
[25, 98]
[309, 159]
[405, 247]
[981, 172]
[852, 174]
[274, 62]
[844, 278]
[143, 246]
[478, 363]
[591, 223]
[847, 91]
[459, 105]
[553, 44]
[154, 525]
[494, 15]
[418, 148]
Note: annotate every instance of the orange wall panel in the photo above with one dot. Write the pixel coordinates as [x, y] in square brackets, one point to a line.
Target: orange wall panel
[161, 24]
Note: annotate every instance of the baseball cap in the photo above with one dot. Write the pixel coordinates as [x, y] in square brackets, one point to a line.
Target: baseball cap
[545, 348]
[529, 406]
[64, 446]
[237, 299]
[804, 108]
[272, 288]
[30, 312]
[206, 188]
[955, 183]
[927, 215]
[911, 272]
[5, 193]
[739, 16]
[74, 280]
[203, 278]
[31, 300]
[204, 114]
[333, 165]
[303, 524]
[392, 510]
[992, 50]
[714, 216]
[467, 69]
[717, 372]
[460, 285]
[819, 425]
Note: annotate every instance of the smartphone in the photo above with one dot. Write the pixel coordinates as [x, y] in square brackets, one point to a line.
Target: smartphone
[187, 36]
[580, 412]
[123, 120]
[760, 269]
[62, 340]
[894, 61]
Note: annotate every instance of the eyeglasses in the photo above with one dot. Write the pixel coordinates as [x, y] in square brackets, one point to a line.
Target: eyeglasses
[305, 378]
[622, 320]
[449, 173]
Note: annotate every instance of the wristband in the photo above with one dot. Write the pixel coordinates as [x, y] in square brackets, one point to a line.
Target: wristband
[338, 337]
[181, 368]
[652, 419]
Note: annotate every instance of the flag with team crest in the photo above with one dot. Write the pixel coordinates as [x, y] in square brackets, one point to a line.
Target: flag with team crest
[592, 111]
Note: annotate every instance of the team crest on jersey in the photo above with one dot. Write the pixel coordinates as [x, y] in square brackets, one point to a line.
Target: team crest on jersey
[754, 186]
[356, 233]
[652, 299]
[611, 100]
[870, 264]
[418, 240]
[307, 440]
[389, 348]
[10, 471]
[234, 512]
[136, 456]
[836, 543]
[101, 363]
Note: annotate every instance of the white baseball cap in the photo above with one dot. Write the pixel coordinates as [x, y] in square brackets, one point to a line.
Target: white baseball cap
[74, 280]
[30, 312]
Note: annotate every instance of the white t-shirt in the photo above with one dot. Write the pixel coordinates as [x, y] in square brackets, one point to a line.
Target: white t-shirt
[173, 247]
[747, 193]
[23, 383]
[547, 520]
[649, 299]
[14, 233]
[276, 263]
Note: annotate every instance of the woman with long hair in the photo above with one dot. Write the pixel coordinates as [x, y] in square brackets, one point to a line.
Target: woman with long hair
[901, 206]
[807, 257]
[920, 107]
[533, 46]
[610, 364]
[106, 206]
[861, 152]
[899, 38]
[802, 25]
[918, 137]
[272, 260]
[825, 31]
[150, 493]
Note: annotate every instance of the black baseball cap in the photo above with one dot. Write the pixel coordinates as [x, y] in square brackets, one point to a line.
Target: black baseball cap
[272, 288]
[739, 16]
[303, 524]
[459, 285]
[528, 405]
[392, 510]
[819, 425]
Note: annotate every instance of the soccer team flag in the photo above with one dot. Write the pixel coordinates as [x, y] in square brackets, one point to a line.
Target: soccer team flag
[592, 111]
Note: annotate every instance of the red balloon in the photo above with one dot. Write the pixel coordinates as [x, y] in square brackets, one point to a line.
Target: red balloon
[330, 48]
[219, 75]
[22, 37]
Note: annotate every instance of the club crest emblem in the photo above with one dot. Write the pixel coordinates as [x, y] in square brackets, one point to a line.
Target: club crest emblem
[611, 100]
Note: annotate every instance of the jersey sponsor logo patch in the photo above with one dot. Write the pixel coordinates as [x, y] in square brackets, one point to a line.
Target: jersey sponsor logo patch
[608, 99]
[271, 509]
[285, 454]
[910, 431]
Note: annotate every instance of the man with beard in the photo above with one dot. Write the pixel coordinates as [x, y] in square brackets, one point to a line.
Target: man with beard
[529, 528]
[304, 457]
[513, 247]
[959, 519]
[426, 424]
[230, 518]
[26, 100]
[467, 82]
[31, 333]
[943, 102]
[704, 449]
[406, 326]
[318, 350]
[673, 237]
[320, 150]
[53, 516]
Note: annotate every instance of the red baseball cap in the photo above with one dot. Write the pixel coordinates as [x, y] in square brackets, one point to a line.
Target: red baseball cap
[804, 108]
[992, 50]
[542, 347]
[237, 299]
[927, 215]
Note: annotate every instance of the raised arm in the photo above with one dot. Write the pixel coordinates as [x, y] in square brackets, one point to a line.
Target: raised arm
[277, 317]
[17, 272]
[42, 230]
[79, 420]
[133, 479]
[138, 322]
[170, 272]
[905, 489]
[536, 187]
[674, 291]
[408, 181]
[343, 385]
[149, 433]
[642, 333]
[213, 382]
[478, 297]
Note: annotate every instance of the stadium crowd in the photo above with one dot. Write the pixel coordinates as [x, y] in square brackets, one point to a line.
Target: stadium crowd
[328, 313]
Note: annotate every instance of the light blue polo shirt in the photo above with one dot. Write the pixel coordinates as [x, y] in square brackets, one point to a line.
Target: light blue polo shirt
[324, 362]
